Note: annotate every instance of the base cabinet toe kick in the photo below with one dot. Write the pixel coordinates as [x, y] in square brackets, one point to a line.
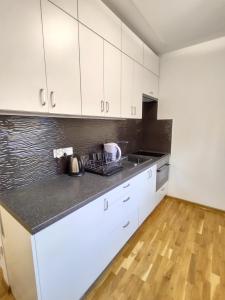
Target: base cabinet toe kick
[63, 260]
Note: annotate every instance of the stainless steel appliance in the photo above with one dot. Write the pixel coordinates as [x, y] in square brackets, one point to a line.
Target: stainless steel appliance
[162, 176]
[162, 166]
[76, 165]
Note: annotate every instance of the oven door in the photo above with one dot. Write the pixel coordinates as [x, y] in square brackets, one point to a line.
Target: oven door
[162, 175]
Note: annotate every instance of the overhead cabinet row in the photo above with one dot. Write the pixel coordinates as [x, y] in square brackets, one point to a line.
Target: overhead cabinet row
[51, 63]
[97, 16]
[39, 58]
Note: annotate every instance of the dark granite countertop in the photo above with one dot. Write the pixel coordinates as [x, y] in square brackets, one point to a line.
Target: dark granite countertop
[40, 205]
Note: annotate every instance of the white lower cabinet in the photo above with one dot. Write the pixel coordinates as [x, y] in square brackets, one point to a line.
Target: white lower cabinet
[63, 260]
[147, 186]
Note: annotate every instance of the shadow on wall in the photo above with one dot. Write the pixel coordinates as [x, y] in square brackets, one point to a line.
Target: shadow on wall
[157, 134]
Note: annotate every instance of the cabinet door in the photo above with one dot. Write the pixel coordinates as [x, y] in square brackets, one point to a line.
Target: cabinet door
[154, 85]
[97, 16]
[132, 45]
[69, 253]
[19, 259]
[151, 60]
[139, 83]
[62, 60]
[151, 84]
[147, 186]
[22, 71]
[112, 80]
[127, 87]
[69, 6]
[91, 63]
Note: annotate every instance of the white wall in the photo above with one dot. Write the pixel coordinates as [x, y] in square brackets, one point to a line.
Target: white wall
[192, 92]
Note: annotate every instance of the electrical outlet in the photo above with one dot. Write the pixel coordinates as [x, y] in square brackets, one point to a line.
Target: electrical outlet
[58, 153]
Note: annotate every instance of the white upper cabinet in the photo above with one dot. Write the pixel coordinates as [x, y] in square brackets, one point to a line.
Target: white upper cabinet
[97, 16]
[62, 60]
[69, 6]
[22, 71]
[132, 45]
[151, 60]
[91, 63]
[151, 84]
[138, 91]
[127, 87]
[112, 80]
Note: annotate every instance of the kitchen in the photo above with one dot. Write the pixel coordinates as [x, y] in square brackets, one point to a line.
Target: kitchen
[112, 156]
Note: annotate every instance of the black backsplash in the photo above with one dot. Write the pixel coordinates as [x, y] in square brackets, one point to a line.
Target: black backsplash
[27, 143]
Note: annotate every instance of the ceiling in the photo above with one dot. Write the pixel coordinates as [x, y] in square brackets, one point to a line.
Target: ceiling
[170, 25]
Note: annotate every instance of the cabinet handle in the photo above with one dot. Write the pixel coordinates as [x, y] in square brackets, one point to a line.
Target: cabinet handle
[102, 106]
[107, 106]
[106, 204]
[126, 186]
[149, 173]
[135, 111]
[126, 225]
[125, 200]
[42, 97]
[131, 110]
[52, 97]
[163, 167]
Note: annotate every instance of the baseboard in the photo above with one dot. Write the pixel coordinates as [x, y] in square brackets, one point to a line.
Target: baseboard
[202, 206]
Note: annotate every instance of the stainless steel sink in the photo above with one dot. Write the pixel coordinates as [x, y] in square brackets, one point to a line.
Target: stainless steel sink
[133, 160]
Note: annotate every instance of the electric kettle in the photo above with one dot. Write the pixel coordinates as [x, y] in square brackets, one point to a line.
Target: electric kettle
[76, 165]
[113, 150]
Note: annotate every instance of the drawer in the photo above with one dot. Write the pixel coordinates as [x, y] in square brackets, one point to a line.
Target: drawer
[115, 213]
[122, 191]
[118, 237]
[161, 193]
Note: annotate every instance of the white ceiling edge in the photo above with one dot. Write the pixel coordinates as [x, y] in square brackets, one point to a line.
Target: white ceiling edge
[202, 47]
[127, 11]
[130, 16]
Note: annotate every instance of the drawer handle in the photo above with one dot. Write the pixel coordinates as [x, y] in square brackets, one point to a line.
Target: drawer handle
[163, 167]
[125, 200]
[126, 186]
[126, 225]
[106, 204]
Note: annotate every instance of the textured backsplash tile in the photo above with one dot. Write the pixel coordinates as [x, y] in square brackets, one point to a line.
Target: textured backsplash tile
[26, 144]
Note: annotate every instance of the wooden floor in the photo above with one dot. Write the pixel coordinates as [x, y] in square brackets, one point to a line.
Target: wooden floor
[4, 295]
[178, 253]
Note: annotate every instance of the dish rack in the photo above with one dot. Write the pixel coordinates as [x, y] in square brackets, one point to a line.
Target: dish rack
[103, 165]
